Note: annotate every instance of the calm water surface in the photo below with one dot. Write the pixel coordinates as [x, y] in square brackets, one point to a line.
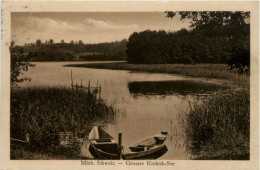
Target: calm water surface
[148, 103]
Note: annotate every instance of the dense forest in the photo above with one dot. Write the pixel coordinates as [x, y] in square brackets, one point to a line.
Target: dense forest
[186, 46]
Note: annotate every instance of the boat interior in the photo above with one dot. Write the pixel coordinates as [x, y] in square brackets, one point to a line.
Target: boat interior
[147, 144]
[109, 148]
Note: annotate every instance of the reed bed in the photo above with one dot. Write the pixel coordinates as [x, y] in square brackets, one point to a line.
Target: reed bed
[219, 128]
[216, 71]
[54, 153]
[43, 112]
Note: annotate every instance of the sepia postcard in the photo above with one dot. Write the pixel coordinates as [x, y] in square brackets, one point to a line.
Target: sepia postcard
[130, 85]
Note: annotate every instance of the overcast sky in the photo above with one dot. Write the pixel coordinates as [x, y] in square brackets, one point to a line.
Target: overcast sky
[90, 27]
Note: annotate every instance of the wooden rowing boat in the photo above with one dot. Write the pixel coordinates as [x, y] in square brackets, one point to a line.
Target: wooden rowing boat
[146, 147]
[102, 145]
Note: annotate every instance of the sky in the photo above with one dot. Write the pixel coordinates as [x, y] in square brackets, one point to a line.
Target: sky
[90, 27]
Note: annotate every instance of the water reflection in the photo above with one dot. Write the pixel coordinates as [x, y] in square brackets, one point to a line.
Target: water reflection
[181, 87]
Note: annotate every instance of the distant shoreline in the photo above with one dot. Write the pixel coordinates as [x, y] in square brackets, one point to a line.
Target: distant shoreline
[211, 71]
[99, 61]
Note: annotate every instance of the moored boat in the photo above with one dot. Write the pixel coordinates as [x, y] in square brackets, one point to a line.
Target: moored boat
[146, 147]
[102, 145]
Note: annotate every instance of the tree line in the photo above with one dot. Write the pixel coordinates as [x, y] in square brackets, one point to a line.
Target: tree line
[80, 46]
[184, 46]
[50, 51]
[213, 37]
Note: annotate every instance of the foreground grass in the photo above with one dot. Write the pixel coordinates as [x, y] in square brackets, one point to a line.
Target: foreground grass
[218, 71]
[43, 112]
[219, 128]
[56, 153]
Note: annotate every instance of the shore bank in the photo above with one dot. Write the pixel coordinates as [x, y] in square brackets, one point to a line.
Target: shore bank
[211, 71]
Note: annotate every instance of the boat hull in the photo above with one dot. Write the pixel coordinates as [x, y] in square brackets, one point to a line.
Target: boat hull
[145, 154]
[102, 145]
[99, 154]
[155, 151]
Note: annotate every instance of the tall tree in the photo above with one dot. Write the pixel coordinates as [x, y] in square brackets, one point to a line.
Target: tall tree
[38, 42]
[51, 41]
[12, 43]
[208, 19]
[80, 42]
[232, 24]
[146, 47]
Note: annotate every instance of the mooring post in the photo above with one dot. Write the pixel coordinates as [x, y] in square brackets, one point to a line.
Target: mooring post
[27, 136]
[171, 131]
[71, 80]
[88, 86]
[120, 145]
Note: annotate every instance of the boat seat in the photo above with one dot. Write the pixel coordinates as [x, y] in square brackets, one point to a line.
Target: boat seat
[145, 145]
[139, 148]
[136, 149]
[159, 140]
[103, 140]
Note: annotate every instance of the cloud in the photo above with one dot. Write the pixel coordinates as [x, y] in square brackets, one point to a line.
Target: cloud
[108, 25]
[47, 24]
[29, 29]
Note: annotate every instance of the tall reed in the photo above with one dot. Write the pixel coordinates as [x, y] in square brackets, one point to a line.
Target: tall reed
[43, 112]
[219, 128]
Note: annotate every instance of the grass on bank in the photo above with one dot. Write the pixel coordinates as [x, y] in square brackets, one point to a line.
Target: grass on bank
[217, 71]
[19, 152]
[219, 128]
[43, 112]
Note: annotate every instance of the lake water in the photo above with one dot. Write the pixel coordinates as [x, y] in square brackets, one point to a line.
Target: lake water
[148, 103]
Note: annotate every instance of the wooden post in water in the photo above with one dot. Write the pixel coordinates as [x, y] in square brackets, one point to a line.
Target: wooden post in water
[99, 92]
[76, 86]
[89, 86]
[120, 145]
[71, 80]
[171, 131]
